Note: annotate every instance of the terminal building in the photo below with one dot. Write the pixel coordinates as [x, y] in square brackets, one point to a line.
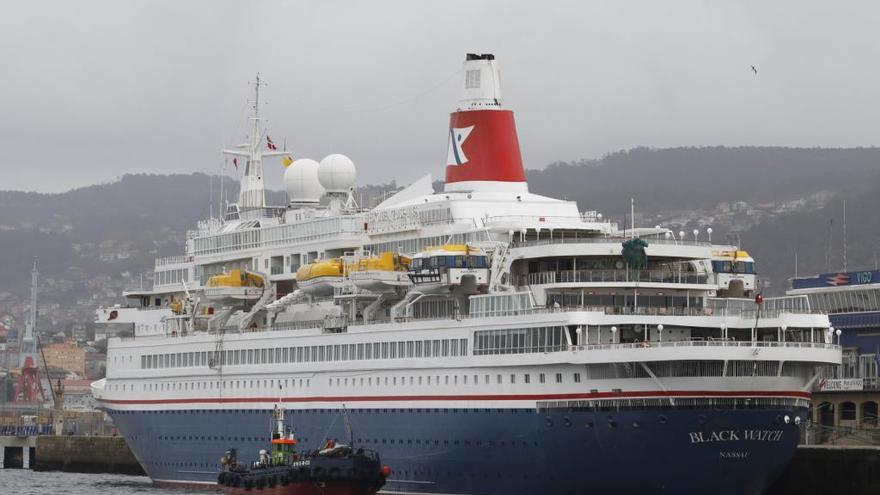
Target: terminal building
[848, 396]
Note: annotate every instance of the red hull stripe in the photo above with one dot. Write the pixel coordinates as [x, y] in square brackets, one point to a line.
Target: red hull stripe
[405, 398]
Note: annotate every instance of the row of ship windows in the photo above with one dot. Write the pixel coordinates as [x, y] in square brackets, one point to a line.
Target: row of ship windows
[520, 340]
[269, 384]
[212, 385]
[447, 380]
[308, 354]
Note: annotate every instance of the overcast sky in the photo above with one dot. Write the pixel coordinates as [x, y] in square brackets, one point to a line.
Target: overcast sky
[92, 90]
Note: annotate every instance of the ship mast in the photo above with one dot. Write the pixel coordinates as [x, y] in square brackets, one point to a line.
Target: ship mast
[252, 194]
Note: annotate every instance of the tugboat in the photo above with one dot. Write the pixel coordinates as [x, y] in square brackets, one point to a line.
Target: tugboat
[336, 469]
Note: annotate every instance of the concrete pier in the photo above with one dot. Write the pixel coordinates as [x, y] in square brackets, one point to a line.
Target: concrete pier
[824, 469]
[82, 454]
[17, 452]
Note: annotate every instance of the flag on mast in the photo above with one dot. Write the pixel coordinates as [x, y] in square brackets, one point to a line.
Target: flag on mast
[235, 162]
[270, 144]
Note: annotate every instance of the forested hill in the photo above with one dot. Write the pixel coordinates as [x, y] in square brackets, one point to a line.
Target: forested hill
[698, 178]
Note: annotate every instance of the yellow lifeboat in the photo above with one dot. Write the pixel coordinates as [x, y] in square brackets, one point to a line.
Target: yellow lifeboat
[235, 285]
[383, 273]
[320, 278]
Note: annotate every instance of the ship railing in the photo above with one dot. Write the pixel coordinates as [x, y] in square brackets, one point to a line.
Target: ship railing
[601, 240]
[602, 276]
[797, 303]
[172, 260]
[687, 311]
[673, 344]
[608, 310]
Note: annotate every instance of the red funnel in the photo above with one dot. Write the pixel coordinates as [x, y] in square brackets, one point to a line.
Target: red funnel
[483, 146]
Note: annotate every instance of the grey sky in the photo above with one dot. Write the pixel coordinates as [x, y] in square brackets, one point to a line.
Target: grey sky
[92, 90]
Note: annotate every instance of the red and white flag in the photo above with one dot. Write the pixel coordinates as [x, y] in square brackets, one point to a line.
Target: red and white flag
[235, 162]
[270, 144]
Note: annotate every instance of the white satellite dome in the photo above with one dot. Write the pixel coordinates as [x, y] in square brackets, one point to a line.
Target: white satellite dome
[301, 181]
[336, 173]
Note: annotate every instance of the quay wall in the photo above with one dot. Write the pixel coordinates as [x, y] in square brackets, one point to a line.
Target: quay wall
[825, 469]
[85, 454]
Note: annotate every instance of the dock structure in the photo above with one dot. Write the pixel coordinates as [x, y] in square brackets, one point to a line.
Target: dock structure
[17, 451]
[38, 449]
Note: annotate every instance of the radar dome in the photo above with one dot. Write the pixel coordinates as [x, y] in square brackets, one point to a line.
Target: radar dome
[336, 173]
[301, 181]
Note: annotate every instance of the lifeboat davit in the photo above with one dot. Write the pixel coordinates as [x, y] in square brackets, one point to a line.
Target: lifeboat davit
[235, 286]
[459, 268]
[321, 278]
[386, 272]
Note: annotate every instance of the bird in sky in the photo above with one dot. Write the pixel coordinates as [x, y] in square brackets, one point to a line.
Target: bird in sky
[754, 70]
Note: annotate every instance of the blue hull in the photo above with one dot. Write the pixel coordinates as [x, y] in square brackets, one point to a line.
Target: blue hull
[498, 451]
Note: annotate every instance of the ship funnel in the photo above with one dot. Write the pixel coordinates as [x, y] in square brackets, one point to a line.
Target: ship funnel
[483, 151]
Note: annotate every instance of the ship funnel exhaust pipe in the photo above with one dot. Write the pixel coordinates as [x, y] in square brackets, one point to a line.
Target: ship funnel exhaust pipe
[483, 151]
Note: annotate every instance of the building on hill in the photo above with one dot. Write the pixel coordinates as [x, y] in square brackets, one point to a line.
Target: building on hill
[849, 395]
[78, 395]
[96, 365]
[66, 355]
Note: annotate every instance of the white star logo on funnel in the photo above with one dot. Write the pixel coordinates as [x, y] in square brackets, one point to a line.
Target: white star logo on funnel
[457, 137]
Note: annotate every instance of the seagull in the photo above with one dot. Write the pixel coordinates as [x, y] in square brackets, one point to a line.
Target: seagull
[754, 70]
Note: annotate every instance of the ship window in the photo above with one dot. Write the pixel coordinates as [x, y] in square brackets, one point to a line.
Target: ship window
[577, 377]
[527, 378]
[542, 378]
[558, 377]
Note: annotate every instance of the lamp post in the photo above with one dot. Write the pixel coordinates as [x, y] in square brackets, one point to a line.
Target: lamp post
[783, 328]
[723, 331]
[709, 231]
[613, 335]
[696, 233]
[579, 333]
[660, 332]
[838, 332]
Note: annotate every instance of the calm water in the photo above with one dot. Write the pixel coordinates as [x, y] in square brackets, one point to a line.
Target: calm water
[27, 482]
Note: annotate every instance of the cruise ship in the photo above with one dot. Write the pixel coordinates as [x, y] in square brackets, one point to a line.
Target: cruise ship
[485, 340]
